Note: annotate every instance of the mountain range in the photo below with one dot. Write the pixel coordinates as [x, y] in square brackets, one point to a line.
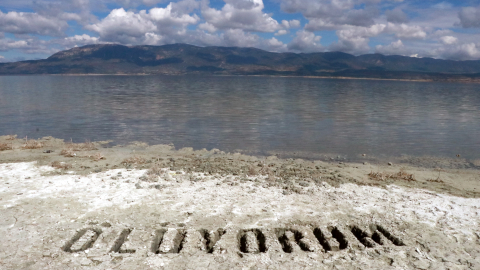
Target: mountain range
[178, 59]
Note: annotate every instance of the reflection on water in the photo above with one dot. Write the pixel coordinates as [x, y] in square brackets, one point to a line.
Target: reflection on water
[256, 114]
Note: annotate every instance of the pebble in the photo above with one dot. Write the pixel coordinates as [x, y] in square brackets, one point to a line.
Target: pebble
[390, 163]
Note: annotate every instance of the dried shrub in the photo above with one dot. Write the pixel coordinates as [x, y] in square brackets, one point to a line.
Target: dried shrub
[153, 173]
[6, 146]
[11, 137]
[61, 165]
[252, 171]
[97, 156]
[86, 146]
[67, 153]
[401, 175]
[70, 148]
[155, 170]
[32, 144]
[134, 160]
[436, 180]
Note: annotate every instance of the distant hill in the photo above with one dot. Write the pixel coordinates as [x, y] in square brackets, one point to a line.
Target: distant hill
[179, 59]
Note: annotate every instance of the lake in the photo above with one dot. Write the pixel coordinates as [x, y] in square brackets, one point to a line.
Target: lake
[295, 117]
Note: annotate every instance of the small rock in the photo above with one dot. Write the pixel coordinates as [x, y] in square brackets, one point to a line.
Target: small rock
[303, 183]
[85, 262]
[48, 151]
[365, 163]
[390, 163]
[363, 155]
[421, 264]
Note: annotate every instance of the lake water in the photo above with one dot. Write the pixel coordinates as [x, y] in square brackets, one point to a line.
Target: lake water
[260, 115]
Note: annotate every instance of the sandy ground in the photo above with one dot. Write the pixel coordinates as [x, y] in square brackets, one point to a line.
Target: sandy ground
[153, 207]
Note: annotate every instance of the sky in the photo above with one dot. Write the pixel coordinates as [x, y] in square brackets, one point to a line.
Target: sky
[419, 28]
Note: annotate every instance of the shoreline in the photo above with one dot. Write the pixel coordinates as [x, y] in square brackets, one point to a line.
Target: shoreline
[476, 81]
[139, 206]
[435, 174]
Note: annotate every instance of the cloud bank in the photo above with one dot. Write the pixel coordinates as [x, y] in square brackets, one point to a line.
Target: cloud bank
[439, 29]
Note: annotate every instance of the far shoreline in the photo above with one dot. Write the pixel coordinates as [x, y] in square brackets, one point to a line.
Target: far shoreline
[475, 81]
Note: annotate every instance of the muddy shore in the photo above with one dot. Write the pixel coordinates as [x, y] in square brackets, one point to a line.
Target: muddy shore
[139, 206]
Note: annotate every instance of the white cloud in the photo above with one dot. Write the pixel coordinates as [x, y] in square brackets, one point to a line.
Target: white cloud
[2, 57]
[281, 32]
[157, 25]
[79, 40]
[29, 46]
[274, 44]
[394, 48]
[240, 38]
[246, 15]
[291, 24]
[31, 23]
[470, 17]
[406, 31]
[327, 14]
[305, 42]
[207, 27]
[468, 51]
[9, 44]
[123, 26]
[354, 39]
[449, 40]
[318, 24]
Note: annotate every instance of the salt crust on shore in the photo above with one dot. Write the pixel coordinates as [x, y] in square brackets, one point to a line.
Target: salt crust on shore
[20, 183]
[456, 215]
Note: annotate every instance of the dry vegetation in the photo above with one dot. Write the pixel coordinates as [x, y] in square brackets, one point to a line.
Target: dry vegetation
[6, 146]
[383, 176]
[134, 160]
[70, 148]
[97, 156]
[11, 137]
[436, 180]
[61, 165]
[155, 170]
[32, 144]
[153, 173]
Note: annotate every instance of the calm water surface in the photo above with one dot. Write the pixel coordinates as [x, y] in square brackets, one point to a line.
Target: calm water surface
[260, 115]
